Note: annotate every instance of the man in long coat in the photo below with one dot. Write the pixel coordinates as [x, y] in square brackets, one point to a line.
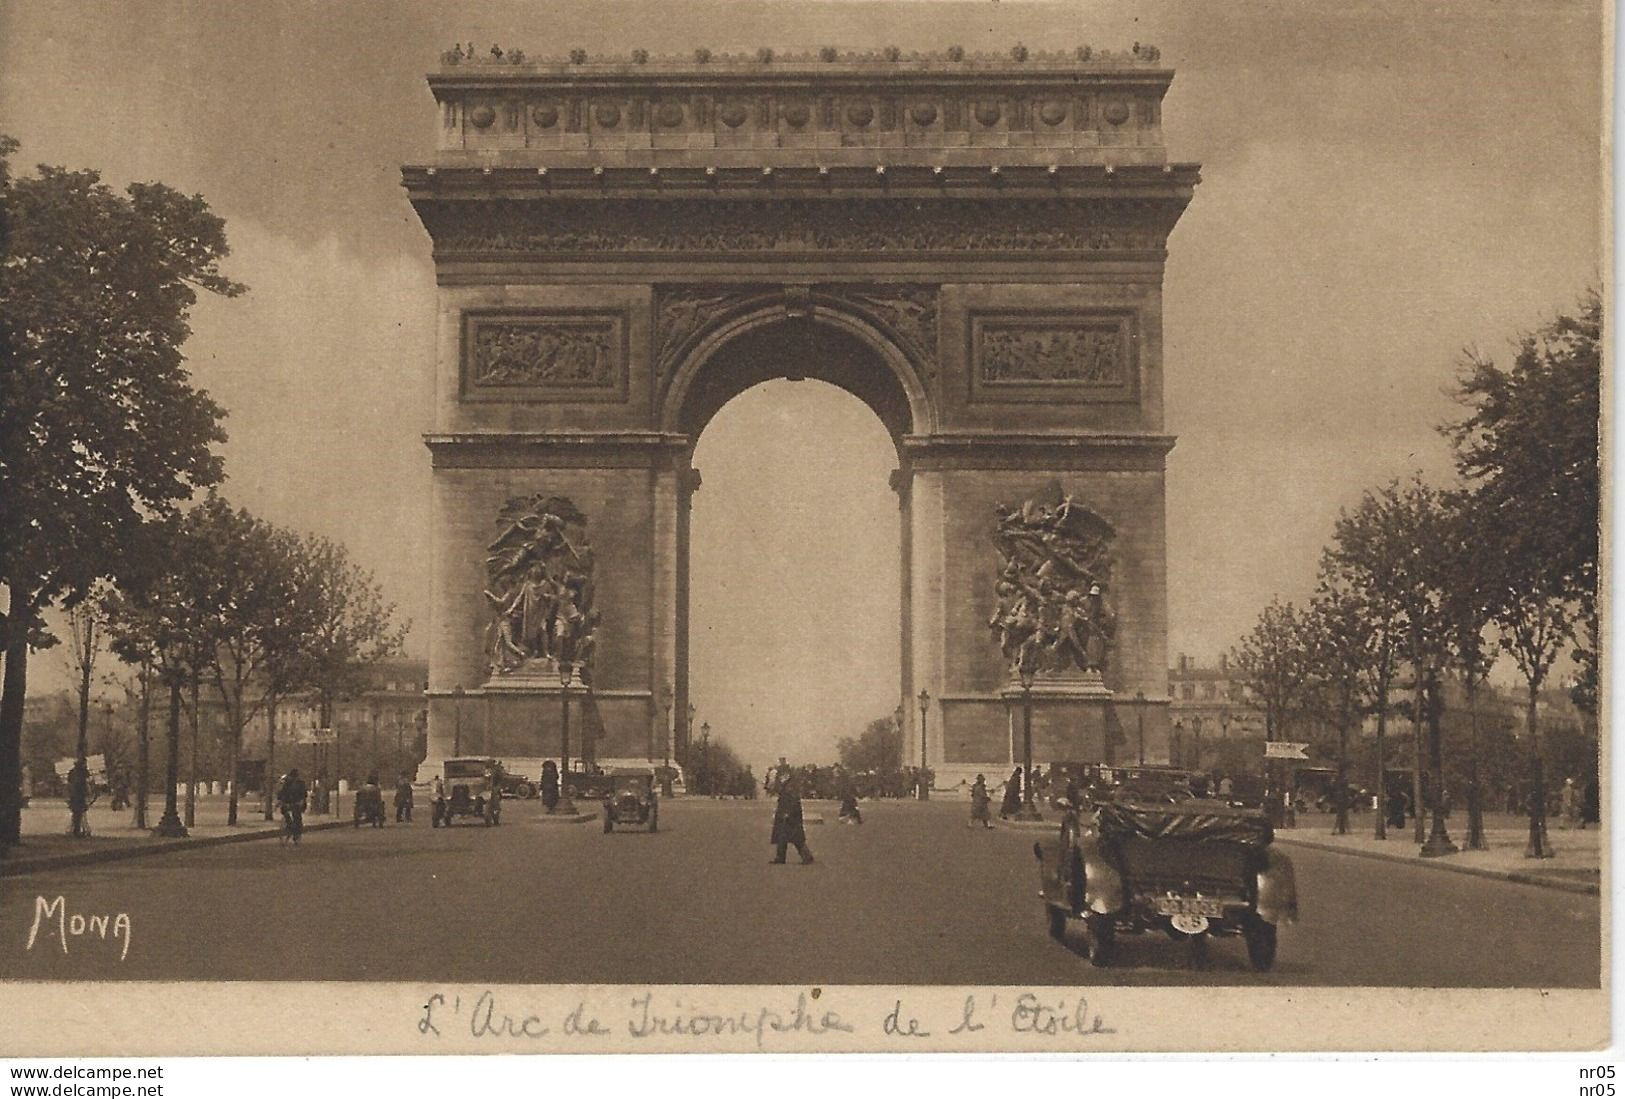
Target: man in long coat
[788, 827]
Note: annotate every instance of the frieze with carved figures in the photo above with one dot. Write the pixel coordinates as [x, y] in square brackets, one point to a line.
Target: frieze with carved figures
[791, 226]
[568, 356]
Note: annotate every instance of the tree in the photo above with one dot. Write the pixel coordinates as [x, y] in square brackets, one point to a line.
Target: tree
[1273, 672]
[1466, 614]
[878, 749]
[1528, 449]
[156, 620]
[1338, 648]
[86, 624]
[100, 427]
[1528, 446]
[1363, 557]
[345, 625]
[246, 593]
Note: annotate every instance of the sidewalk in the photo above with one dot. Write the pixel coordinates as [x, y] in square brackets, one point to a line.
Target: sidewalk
[48, 846]
[1575, 867]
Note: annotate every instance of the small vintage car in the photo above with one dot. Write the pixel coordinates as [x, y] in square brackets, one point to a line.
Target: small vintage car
[473, 789]
[587, 780]
[632, 799]
[1191, 868]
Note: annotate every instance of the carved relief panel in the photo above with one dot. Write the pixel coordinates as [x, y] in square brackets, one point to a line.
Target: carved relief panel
[1054, 356]
[544, 356]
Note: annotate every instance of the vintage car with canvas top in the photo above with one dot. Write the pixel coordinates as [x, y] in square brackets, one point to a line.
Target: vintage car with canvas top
[473, 789]
[631, 799]
[1190, 868]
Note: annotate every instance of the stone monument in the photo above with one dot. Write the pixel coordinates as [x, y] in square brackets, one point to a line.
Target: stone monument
[971, 244]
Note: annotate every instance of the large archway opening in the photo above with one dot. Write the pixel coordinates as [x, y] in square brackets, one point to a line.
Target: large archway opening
[794, 561]
[794, 635]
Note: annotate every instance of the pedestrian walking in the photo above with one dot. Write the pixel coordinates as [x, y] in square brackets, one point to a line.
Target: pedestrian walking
[1568, 804]
[437, 801]
[980, 804]
[789, 829]
[403, 800]
[550, 785]
[1012, 796]
[1398, 802]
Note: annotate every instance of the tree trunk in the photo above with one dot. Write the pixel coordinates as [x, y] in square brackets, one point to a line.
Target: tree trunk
[231, 773]
[1382, 761]
[1342, 827]
[191, 766]
[143, 751]
[1475, 802]
[1539, 846]
[1417, 804]
[270, 755]
[15, 685]
[79, 780]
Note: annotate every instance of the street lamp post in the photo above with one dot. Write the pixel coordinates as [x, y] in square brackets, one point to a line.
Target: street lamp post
[705, 759]
[457, 720]
[1176, 757]
[169, 825]
[1196, 737]
[687, 743]
[665, 739]
[1438, 841]
[1139, 720]
[1028, 810]
[925, 704]
[564, 739]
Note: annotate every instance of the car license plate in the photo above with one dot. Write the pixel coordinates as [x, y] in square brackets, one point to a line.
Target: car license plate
[1189, 906]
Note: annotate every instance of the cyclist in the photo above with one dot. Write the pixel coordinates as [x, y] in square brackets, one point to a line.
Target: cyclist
[290, 798]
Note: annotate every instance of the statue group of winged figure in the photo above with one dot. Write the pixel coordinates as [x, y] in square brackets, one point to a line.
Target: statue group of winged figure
[1055, 561]
[539, 572]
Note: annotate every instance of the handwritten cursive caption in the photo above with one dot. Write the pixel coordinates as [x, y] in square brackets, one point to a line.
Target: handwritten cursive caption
[660, 1018]
[72, 931]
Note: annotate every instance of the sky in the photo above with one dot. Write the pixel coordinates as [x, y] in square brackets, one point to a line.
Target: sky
[1384, 184]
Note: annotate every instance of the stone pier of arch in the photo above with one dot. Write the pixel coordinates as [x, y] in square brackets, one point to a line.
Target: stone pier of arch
[973, 246]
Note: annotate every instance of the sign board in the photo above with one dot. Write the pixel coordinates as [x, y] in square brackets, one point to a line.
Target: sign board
[1285, 749]
[96, 765]
[315, 736]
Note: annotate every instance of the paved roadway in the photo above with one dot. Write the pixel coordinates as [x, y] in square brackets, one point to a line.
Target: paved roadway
[911, 896]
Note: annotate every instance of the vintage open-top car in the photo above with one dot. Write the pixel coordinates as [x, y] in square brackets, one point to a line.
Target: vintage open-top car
[473, 789]
[1191, 868]
[631, 799]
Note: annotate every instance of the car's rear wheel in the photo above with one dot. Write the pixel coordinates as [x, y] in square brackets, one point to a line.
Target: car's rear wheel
[1101, 935]
[524, 790]
[1260, 938]
[1057, 923]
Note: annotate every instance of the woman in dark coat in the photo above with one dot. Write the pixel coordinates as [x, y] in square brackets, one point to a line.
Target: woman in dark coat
[1012, 796]
[550, 785]
[789, 830]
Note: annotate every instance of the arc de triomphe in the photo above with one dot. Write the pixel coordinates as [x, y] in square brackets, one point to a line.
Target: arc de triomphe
[973, 246]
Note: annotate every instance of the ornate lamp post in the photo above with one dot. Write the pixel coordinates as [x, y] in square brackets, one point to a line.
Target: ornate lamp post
[705, 758]
[169, 825]
[1139, 720]
[1028, 810]
[925, 705]
[1176, 757]
[686, 745]
[457, 720]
